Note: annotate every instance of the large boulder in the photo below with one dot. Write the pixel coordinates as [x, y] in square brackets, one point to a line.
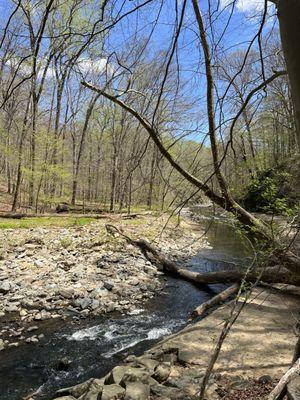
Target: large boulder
[113, 391]
[94, 390]
[116, 375]
[135, 375]
[137, 391]
[162, 372]
[77, 390]
[149, 363]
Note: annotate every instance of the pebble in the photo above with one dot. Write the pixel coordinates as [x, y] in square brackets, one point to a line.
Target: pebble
[32, 328]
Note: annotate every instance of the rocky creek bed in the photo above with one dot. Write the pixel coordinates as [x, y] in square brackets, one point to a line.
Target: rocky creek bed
[84, 299]
[80, 272]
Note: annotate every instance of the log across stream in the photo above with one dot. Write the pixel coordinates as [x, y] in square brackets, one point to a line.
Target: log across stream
[73, 353]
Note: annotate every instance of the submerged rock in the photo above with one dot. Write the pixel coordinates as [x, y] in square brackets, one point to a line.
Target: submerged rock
[63, 364]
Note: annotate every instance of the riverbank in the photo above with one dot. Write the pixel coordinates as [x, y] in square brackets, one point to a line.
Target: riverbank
[83, 271]
[256, 353]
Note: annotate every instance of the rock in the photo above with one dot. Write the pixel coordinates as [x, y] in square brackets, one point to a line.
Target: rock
[14, 344]
[65, 398]
[94, 390]
[76, 391]
[187, 356]
[108, 285]
[167, 392]
[116, 375]
[113, 391]
[265, 379]
[23, 313]
[63, 364]
[32, 328]
[38, 263]
[2, 345]
[293, 389]
[95, 304]
[5, 286]
[66, 293]
[149, 363]
[83, 303]
[12, 307]
[162, 372]
[137, 391]
[135, 375]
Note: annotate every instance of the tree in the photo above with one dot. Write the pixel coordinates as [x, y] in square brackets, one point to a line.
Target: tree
[289, 20]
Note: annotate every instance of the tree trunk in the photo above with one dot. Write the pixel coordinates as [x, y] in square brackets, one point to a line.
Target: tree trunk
[81, 146]
[289, 23]
[219, 298]
[267, 275]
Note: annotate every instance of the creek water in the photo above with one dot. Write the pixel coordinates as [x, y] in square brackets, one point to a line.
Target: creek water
[71, 353]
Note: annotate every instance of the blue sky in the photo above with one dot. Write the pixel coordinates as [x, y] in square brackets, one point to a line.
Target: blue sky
[243, 25]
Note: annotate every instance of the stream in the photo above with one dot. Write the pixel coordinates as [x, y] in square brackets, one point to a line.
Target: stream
[71, 353]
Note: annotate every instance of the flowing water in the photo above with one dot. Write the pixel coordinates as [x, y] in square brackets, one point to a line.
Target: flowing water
[72, 353]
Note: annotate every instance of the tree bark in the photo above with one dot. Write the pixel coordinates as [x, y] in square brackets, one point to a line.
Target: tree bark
[280, 388]
[214, 301]
[289, 23]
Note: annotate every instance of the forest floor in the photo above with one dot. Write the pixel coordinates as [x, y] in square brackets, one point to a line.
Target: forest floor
[78, 270]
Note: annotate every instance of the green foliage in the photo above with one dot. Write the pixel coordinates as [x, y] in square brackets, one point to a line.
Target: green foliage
[27, 223]
[270, 192]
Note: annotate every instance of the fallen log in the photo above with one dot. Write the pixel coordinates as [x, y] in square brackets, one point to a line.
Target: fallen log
[65, 215]
[280, 389]
[214, 301]
[267, 275]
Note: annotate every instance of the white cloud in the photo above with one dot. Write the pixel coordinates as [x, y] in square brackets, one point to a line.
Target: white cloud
[247, 6]
[86, 65]
[94, 67]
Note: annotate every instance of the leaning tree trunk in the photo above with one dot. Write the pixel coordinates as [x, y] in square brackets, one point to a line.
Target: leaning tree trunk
[267, 275]
[289, 22]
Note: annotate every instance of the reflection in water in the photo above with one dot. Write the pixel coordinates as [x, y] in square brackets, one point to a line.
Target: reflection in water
[95, 346]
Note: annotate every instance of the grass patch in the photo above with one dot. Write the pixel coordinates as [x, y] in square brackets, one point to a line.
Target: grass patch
[34, 222]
